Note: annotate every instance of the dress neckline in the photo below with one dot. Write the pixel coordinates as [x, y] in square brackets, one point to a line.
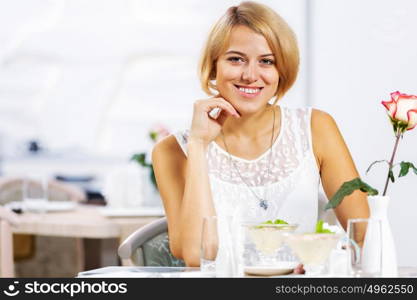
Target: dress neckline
[281, 129]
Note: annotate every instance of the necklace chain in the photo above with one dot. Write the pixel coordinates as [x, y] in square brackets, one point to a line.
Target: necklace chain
[263, 202]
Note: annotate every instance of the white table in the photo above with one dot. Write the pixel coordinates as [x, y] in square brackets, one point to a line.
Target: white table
[85, 222]
[185, 272]
[144, 272]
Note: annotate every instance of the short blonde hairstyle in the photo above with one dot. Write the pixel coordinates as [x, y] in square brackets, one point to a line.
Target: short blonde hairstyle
[263, 20]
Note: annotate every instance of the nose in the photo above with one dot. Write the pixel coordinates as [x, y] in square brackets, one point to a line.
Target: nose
[250, 73]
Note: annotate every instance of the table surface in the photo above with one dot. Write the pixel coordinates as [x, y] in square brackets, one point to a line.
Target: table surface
[179, 272]
[85, 221]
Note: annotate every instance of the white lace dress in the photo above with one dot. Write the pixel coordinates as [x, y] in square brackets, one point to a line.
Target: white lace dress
[292, 187]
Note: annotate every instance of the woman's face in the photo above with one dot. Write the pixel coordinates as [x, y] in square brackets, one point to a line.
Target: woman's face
[246, 73]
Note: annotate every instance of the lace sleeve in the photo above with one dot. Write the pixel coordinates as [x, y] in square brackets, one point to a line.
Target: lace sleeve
[182, 139]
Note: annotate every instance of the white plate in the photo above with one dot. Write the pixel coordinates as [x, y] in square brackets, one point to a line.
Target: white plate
[282, 268]
[133, 212]
[47, 206]
[60, 205]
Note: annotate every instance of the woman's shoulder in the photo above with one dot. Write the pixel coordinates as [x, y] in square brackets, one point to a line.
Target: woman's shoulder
[325, 133]
[168, 147]
[321, 120]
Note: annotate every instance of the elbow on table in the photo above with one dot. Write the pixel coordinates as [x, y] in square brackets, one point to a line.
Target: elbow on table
[175, 250]
[190, 254]
[191, 257]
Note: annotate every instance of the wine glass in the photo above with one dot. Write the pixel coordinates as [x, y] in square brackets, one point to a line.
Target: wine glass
[365, 247]
[264, 249]
[35, 193]
[313, 249]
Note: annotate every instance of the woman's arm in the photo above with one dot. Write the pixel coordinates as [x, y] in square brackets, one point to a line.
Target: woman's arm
[169, 166]
[197, 202]
[336, 166]
[185, 190]
[183, 182]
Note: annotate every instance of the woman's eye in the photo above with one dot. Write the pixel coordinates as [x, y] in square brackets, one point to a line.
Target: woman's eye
[235, 59]
[267, 61]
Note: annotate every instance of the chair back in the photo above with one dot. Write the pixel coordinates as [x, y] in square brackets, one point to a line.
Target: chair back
[149, 246]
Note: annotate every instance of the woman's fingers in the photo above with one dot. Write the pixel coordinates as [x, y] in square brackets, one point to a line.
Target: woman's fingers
[221, 118]
[299, 269]
[226, 105]
[215, 113]
[213, 103]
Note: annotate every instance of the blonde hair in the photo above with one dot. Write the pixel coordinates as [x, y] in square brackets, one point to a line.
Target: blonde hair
[263, 20]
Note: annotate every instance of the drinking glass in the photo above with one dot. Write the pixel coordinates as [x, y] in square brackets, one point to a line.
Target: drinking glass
[209, 244]
[35, 193]
[365, 247]
[313, 250]
[264, 251]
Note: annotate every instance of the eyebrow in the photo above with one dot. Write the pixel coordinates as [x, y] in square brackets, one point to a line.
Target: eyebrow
[243, 54]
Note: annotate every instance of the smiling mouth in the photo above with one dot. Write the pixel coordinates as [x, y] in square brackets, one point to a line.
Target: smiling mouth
[248, 92]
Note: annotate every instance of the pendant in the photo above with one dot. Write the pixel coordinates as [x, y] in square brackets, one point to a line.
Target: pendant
[263, 203]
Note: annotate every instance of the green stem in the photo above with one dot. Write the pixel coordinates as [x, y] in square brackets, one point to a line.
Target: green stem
[391, 162]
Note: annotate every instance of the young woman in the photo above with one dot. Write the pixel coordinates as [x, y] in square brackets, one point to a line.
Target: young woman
[244, 154]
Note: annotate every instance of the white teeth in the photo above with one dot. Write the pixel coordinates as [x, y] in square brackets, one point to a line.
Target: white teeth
[249, 91]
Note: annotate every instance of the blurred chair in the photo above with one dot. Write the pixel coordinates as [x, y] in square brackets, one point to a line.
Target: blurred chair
[149, 246]
[11, 190]
[24, 245]
[7, 219]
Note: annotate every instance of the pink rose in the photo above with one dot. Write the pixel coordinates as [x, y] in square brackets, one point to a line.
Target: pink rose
[158, 132]
[402, 110]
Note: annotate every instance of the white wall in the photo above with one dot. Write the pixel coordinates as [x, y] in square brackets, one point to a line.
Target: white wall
[96, 75]
[362, 51]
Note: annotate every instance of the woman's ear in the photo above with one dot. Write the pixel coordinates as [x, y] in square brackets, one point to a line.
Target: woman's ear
[213, 74]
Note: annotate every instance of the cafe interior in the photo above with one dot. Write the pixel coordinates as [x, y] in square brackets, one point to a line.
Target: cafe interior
[88, 87]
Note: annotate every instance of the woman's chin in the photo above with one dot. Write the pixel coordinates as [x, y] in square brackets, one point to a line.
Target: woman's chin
[246, 106]
[247, 109]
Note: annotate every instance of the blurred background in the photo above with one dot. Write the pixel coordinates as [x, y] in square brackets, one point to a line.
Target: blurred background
[83, 83]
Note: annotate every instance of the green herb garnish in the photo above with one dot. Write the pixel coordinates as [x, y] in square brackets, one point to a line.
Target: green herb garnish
[277, 221]
[270, 222]
[320, 229]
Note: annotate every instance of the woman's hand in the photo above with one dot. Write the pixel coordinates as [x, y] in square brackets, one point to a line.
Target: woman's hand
[299, 269]
[204, 128]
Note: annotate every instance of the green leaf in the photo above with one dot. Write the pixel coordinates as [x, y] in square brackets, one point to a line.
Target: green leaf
[153, 178]
[140, 158]
[153, 135]
[320, 229]
[348, 188]
[375, 162]
[405, 167]
[391, 175]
